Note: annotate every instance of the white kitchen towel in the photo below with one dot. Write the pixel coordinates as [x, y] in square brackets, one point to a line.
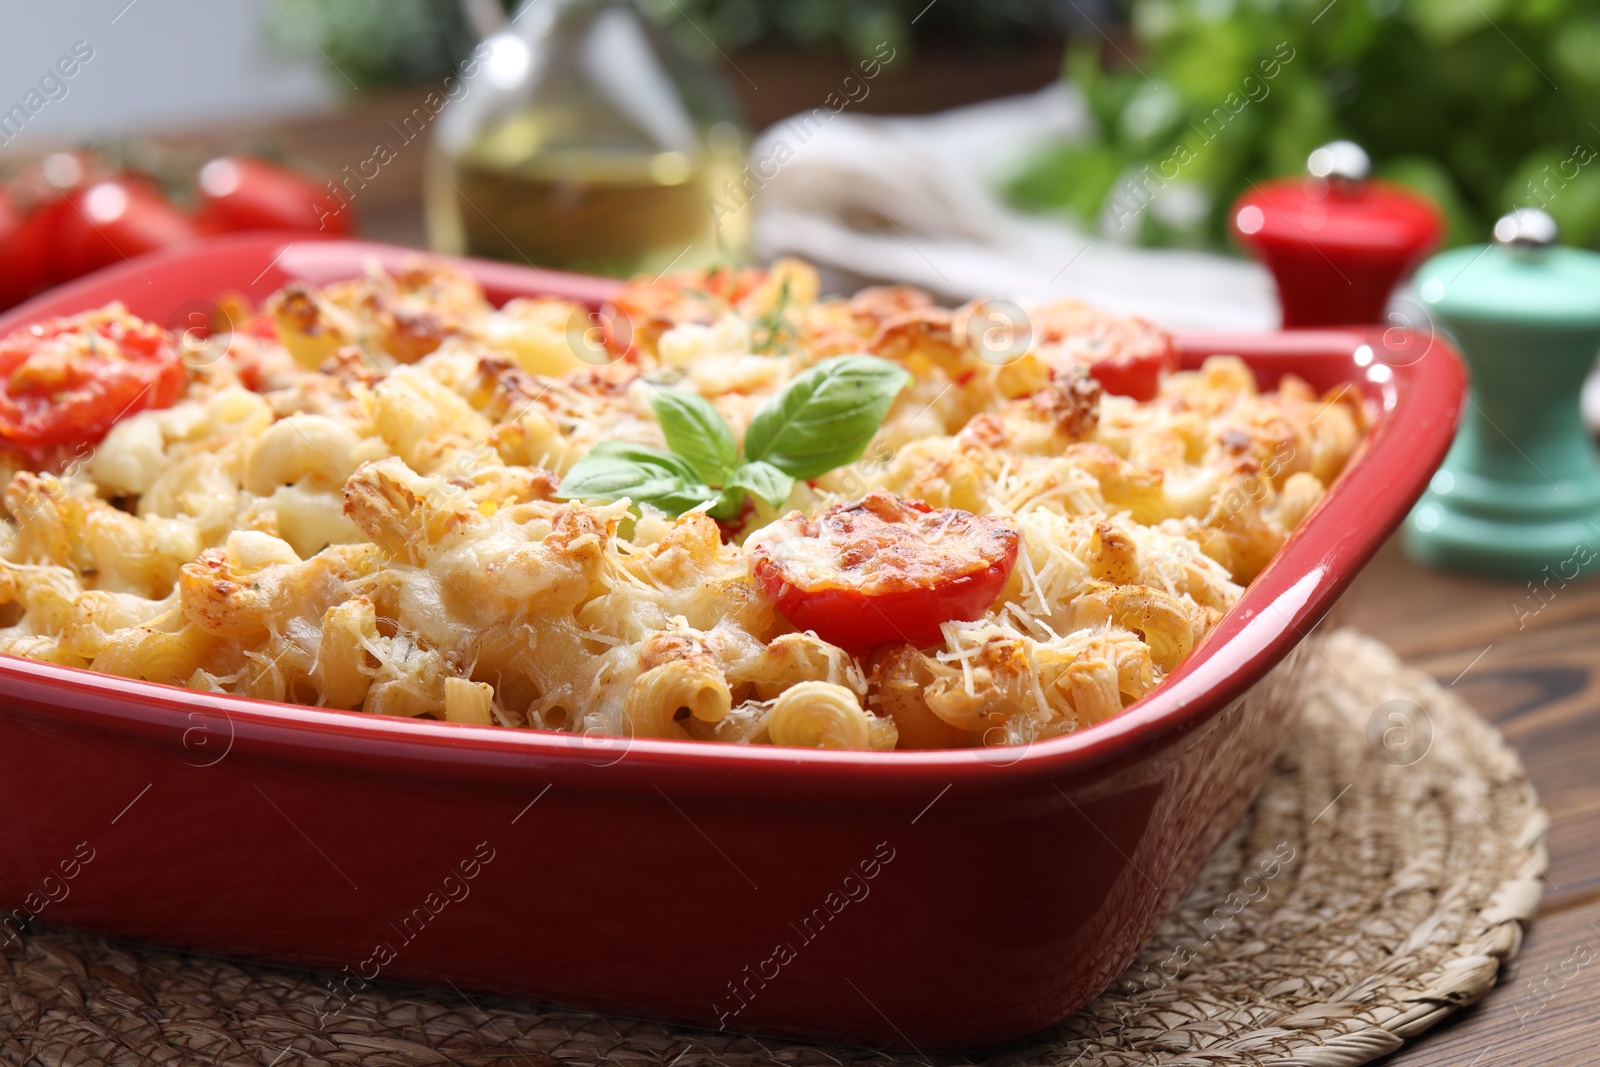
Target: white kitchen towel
[916, 199]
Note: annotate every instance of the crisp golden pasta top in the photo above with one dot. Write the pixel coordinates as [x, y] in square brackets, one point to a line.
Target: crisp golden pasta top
[723, 509]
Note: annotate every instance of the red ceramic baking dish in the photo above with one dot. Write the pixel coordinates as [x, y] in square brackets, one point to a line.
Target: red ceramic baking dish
[926, 900]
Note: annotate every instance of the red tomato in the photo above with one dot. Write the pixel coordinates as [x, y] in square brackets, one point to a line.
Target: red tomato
[72, 379]
[882, 570]
[114, 220]
[1138, 376]
[57, 175]
[241, 193]
[1124, 353]
[24, 253]
[30, 217]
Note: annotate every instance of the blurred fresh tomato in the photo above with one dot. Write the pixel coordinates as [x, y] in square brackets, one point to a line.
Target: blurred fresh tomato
[24, 253]
[113, 220]
[34, 203]
[241, 193]
[57, 175]
[71, 214]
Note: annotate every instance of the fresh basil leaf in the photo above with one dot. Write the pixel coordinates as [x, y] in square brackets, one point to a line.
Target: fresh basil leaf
[764, 480]
[616, 469]
[683, 500]
[642, 455]
[729, 503]
[697, 432]
[824, 418]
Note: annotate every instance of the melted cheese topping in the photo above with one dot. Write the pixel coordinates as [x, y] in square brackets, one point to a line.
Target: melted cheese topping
[352, 505]
[881, 545]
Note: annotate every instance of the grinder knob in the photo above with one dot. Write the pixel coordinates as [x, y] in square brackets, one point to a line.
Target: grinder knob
[1336, 241]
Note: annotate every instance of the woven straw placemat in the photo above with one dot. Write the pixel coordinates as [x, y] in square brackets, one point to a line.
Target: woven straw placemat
[1378, 884]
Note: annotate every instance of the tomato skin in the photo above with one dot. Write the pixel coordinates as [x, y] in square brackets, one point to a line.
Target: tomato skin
[113, 220]
[243, 193]
[1136, 376]
[906, 603]
[24, 252]
[1126, 354]
[57, 175]
[35, 204]
[857, 622]
[70, 380]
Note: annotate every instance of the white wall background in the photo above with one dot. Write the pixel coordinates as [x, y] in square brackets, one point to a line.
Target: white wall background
[158, 64]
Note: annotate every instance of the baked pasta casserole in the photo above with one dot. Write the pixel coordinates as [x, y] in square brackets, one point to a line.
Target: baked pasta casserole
[721, 508]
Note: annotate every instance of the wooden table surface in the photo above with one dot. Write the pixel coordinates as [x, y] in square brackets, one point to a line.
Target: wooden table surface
[1525, 659]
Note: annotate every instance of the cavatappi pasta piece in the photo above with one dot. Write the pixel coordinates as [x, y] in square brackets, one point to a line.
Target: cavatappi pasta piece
[40, 647]
[96, 615]
[46, 593]
[1163, 622]
[425, 423]
[901, 677]
[115, 654]
[538, 331]
[42, 531]
[1123, 486]
[1095, 689]
[995, 683]
[319, 449]
[793, 658]
[172, 658]
[1113, 555]
[1299, 495]
[682, 688]
[819, 715]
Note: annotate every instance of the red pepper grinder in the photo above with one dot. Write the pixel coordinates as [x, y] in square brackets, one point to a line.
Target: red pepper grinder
[1336, 242]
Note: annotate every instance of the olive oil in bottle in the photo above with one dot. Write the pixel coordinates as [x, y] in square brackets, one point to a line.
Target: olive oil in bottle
[586, 142]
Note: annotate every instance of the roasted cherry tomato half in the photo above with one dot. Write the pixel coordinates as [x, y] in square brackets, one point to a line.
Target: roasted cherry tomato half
[114, 220]
[882, 570]
[1135, 376]
[242, 193]
[1124, 353]
[70, 380]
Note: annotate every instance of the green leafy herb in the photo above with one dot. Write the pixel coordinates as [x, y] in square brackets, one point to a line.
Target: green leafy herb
[824, 418]
[764, 480]
[1482, 106]
[697, 432]
[616, 469]
[821, 420]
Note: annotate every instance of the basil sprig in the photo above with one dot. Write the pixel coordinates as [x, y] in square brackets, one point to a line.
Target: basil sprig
[823, 419]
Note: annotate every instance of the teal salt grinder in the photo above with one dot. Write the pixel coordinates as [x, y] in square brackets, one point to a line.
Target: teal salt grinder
[1519, 493]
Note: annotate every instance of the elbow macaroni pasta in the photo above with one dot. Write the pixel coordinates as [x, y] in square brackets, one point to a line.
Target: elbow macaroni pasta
[356, 508]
